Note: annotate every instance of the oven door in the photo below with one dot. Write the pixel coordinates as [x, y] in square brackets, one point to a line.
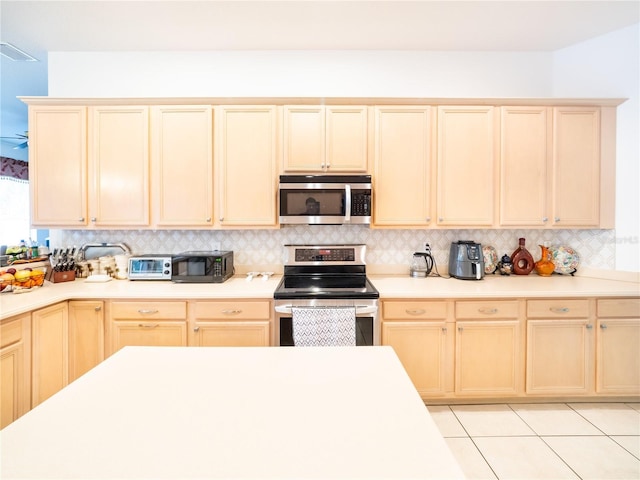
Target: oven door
[367, 323]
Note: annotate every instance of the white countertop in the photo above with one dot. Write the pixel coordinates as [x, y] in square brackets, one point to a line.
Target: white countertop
[389, 286]
[249, 413]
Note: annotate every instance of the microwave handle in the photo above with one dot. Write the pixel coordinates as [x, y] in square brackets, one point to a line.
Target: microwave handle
[347, 203]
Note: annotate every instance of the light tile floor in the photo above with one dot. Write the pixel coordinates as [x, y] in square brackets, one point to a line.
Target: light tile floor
[589, 441]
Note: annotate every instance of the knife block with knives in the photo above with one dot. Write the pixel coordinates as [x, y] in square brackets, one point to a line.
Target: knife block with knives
[63, 263]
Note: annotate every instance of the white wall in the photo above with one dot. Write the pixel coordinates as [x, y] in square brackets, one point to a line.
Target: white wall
[299, 73]
[609, 66]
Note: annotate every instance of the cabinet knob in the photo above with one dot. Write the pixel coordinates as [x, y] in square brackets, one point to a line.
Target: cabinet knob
[460, 329]
[428, 219]
[545, 219]
[196, 329]
[589, 326]
[208, 219]
[93, 219]
[97, 309]
[556, 219]
[603, 326]
[81, 219]
[440, 219]
[444, 329]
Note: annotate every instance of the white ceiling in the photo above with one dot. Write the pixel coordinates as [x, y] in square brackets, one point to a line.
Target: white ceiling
[38, 27]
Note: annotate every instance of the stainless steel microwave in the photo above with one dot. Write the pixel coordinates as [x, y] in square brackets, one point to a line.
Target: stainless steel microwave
[202, 267]
[325, 199]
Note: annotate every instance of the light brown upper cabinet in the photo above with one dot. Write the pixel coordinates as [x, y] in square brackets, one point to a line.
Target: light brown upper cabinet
[58, 165]
[402, 167]
[89, 166]
[525, 166]
[550, 168]
[325, 138]
[119, 166]
[576, 167]
[182, 165]
[247, 165]
[467, 162]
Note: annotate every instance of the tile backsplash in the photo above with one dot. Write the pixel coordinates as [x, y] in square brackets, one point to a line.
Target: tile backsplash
[386, 249]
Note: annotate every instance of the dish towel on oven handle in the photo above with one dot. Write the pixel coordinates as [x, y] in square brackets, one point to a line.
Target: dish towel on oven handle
[324, 326]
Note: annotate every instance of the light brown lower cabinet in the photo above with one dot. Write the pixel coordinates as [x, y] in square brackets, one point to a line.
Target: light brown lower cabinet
[231, 323]
[147, 323]
[618, 346]
[422, 338]
[489, 348]
[560, 340]
[86, 336]
[50, 351]
[15, 368]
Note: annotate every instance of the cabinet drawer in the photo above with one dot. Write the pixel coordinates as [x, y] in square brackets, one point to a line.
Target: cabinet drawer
[560, 308]
[11, 332]
[149, 310]
[487, 309]
[620, 308]
[414, 310]
[233, 310]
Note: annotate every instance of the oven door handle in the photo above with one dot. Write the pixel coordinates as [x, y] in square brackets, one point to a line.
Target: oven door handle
[360, 309]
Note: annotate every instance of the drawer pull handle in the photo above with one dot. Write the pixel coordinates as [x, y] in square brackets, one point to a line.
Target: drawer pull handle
[143, 311]
[231, 312]
[488, 311]
[559, 309]
[416, 311]
[142, 325]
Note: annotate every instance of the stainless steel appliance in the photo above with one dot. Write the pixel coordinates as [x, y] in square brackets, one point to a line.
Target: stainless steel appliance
[150, 267]
[325, 199]
[321, 276]
[202, 267]
[466, 260]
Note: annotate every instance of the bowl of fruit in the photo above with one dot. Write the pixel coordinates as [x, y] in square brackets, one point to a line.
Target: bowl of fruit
[18, 281]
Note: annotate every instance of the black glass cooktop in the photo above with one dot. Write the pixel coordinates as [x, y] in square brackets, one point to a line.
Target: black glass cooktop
[325, 286]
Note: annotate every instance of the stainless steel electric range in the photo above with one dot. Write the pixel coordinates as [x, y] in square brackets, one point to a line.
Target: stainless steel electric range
[327, 276]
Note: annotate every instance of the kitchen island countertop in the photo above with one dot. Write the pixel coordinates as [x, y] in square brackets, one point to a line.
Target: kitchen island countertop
[233, 413]
[389, 286]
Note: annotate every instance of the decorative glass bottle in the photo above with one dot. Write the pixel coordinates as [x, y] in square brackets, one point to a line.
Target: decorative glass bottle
[544, 266]
[522, 260]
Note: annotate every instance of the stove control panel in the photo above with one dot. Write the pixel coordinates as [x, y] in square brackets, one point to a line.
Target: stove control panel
[336, 254]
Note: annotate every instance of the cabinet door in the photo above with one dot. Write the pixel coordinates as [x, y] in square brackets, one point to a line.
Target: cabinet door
[58, 166]
[247, 162]
[182, 165]
[119, 166]
[232, 334]
[421, 347]
[346, 139]
[558, 353]
[402, 167]
[576, 166]
[304, 138]
[618, 356]
[149, 333]
[524, 158]
[467, 166]
[15, 368]
[488, 359]
[50, 352]
[86, 336]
